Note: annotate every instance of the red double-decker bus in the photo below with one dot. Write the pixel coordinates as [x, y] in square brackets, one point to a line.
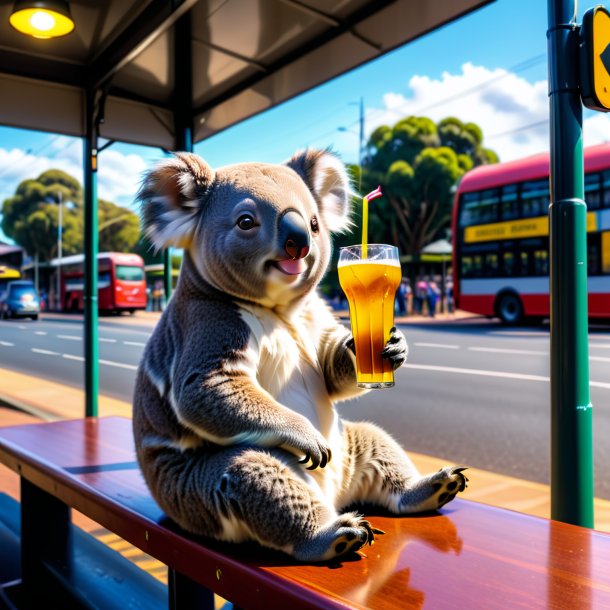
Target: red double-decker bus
[121, 282]
[501, 238]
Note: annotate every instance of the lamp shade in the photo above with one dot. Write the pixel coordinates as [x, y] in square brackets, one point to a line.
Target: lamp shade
[42, 18]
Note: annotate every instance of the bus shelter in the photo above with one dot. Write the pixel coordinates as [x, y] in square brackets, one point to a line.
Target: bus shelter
[171, 74]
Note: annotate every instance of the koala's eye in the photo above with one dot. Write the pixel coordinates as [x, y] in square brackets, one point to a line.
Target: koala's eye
[315, 227]
[245, 222]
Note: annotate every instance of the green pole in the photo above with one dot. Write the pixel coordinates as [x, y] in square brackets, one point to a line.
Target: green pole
[571, 409]
[167, 273]
[91, 247]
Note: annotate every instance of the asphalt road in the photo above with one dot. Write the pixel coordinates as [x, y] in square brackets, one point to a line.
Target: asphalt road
[474, 393]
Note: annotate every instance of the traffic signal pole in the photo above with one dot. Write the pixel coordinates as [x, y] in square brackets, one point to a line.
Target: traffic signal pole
[571, 409]
[91, 247]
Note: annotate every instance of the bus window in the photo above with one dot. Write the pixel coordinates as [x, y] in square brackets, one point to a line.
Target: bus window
[491, 265]
[510, 202]
[535, 198]
[103, 279]
[541, 262]
[508, 263]
[466, 266]
[488, 206]
[470, 205]
[594, 259]
[524, 263]
[129, 273]
[606, 188]
[592, 191]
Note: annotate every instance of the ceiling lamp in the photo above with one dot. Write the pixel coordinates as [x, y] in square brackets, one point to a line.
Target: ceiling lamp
[42, 18]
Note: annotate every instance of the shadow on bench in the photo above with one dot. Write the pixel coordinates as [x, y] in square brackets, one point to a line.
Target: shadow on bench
[467, 556]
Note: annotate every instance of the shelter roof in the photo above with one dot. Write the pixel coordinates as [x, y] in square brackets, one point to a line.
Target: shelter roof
[248, 56]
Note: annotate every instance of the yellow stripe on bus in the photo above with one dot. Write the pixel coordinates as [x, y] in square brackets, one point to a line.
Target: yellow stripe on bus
[517, 229]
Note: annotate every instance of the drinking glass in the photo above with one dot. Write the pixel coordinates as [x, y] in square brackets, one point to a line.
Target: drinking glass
[370, 284]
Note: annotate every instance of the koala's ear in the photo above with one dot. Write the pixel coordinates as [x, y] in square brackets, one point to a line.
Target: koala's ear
[326, 177]
[171, 195]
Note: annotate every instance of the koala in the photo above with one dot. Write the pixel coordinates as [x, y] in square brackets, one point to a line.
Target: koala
[234, 421]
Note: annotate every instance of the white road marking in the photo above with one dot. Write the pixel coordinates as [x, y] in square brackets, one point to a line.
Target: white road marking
[41, 332]
[46, 352]
[599, 359]
[502, 374]
[499, 350]
[71, 357]
[519, 333]
[103, 340]
[441, 345]
[136, 343]
[22, 327]
[131, 367]
[7, 344]
[600, 345]
[70, 337]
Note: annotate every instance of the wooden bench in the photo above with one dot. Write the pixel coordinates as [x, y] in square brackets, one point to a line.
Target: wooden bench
[467, 556]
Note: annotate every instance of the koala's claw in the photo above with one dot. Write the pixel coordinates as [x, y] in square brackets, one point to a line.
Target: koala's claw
[396, 349]
[351, 345]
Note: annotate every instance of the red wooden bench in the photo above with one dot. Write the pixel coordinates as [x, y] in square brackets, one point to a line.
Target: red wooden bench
[467, 556]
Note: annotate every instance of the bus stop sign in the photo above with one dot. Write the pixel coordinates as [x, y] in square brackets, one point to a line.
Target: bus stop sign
[595, 59]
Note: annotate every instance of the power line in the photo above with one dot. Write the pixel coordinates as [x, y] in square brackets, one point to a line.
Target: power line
[519, 67]
[517, 129]
[29, 152]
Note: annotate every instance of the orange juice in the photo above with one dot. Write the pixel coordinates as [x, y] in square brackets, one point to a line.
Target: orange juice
[370, 287]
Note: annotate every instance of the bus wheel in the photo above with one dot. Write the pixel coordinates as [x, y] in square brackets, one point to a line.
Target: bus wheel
[510, 308]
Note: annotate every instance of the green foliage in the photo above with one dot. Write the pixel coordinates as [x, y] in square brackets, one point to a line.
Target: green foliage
[418, 164]
[31, 218]
[119, 229]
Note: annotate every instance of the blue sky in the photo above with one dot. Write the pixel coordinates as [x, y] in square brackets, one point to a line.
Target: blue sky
[488, 67]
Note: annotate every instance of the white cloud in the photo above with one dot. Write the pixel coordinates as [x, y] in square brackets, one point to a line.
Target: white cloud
[502, 103]
[512, 112]
[119, 174]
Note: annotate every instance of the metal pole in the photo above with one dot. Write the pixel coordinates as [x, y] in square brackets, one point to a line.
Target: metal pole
[571, 409]
[91, 246]
[361, 143]
[183, 111]
[59, 253]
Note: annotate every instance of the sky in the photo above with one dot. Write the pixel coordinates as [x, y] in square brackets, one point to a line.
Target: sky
[489, 67]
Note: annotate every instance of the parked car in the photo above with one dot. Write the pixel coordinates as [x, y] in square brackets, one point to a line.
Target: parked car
[20, 300]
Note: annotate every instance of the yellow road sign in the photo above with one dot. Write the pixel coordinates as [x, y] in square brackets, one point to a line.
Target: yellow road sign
[595, 59]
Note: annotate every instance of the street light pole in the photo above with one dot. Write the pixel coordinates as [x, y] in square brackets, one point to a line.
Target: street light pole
[59, 250]
[571, 409]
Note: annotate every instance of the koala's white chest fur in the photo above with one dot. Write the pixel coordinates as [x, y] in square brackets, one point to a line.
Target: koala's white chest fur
[287, 367]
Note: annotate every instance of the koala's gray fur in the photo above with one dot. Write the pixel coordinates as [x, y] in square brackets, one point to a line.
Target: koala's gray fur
[234, 423]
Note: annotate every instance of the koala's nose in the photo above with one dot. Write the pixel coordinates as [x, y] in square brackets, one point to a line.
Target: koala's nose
[293, 235]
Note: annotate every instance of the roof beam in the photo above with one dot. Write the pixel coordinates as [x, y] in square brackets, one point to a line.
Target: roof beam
[41, 68]
[155, 19]
[333, 32]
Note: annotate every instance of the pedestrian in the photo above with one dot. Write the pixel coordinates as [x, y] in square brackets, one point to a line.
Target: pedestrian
[449, 292]
[401, 297]
[421, 294]
[432, 297]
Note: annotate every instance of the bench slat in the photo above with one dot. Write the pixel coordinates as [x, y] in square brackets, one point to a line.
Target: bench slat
[467, 556]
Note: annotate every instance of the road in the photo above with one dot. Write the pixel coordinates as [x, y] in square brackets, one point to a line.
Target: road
[475, 393]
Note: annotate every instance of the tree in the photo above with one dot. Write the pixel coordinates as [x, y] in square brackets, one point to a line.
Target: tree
[119, 228]
[418, 163]
[31, 218]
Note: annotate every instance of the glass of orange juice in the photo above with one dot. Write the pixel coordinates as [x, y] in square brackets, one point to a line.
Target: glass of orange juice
[369, 276]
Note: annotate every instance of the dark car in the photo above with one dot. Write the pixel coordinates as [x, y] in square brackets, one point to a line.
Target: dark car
[20, 300]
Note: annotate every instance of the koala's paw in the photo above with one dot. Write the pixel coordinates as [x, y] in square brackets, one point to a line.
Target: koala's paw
[304, 441]
[347, 534]
[396, 349]
[447, 483]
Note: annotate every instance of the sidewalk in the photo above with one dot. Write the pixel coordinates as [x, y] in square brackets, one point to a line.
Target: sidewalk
[41, 399]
